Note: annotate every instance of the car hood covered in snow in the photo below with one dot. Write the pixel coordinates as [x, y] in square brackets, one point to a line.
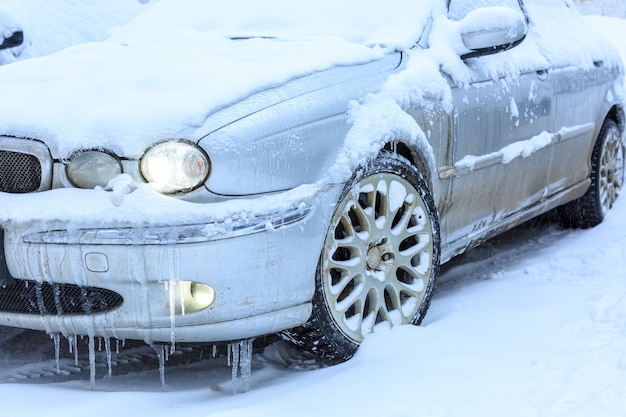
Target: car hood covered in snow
[181, 60]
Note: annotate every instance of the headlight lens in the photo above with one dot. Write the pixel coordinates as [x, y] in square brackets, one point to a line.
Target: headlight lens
[92, 168]
[175, 166]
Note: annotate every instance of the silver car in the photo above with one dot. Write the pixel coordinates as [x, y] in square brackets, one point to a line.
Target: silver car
[317, 206]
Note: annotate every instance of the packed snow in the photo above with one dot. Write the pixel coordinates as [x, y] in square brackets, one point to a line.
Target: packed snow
[532, 323]
[613, 8]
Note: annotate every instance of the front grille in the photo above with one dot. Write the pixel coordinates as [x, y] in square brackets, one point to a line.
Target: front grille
[25, 166]
[29, 297]
[19, 172]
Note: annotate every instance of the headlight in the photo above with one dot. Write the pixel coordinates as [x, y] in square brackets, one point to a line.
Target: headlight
[92, 168]
[175, 166]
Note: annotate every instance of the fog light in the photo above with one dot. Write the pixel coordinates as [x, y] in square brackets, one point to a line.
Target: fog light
[190, 297]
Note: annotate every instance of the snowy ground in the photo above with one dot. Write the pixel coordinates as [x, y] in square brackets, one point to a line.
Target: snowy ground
[532, 323]
[615, 8]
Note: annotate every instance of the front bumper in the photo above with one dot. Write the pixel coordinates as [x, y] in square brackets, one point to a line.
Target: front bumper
[260, 266]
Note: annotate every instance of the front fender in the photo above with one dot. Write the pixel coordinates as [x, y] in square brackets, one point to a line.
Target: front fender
[293, 134]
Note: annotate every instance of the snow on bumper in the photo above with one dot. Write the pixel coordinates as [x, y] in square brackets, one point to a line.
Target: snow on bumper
[221, 279]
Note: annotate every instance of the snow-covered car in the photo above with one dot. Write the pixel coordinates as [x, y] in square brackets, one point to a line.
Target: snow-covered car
[11, 33]
[34, 28]
[218, 171]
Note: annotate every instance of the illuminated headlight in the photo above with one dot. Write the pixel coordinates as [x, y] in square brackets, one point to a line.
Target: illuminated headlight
[175, 166]
[92, 168]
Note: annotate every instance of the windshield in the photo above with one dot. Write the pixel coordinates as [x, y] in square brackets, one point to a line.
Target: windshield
[395, 24]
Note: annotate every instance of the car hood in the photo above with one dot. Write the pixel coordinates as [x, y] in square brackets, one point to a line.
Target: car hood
[166, 71]
[124, 97]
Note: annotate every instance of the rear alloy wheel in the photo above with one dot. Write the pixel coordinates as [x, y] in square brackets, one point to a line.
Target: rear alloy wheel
[379, 261]
[607, 178]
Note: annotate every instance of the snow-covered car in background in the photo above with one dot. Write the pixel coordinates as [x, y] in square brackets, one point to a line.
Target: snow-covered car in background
[39, 27]
[11, 34]
[217, 171]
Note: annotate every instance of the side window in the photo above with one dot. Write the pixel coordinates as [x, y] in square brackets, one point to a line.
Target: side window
[458, 9]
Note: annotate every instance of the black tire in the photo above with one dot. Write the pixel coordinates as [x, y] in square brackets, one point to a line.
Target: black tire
[607, 177]
[379, 262]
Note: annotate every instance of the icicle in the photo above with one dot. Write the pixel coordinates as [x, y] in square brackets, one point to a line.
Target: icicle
[57, 299]
[73, 343]
[172, 301]
[118, 342]
[161, 352]
[214, 351]
[173, 257]
[92, 363]
[245, 363]
[56, 337]
[240, 359]
[234, 353]
[39, 296]
[107, 347]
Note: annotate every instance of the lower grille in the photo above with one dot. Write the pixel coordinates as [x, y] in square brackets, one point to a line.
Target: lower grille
[29, 297]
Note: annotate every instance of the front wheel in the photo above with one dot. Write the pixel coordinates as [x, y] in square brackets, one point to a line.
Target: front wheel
[379, 261]
[607, 178]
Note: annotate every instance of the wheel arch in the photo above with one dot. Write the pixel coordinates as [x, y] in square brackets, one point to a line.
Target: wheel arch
[414, 156]
[616, 113]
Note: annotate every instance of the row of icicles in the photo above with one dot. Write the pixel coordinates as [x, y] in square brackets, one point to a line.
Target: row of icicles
[239, 356]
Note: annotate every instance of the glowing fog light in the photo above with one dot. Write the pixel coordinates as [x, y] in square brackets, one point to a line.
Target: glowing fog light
[175, 166]
[92, 168]
[190, 297]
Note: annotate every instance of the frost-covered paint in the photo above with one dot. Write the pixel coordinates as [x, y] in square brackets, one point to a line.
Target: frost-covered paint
[286, 122]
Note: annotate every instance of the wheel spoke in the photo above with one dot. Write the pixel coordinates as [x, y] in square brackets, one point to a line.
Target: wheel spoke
[354, 311]
[351, 296]
[418, 265]
[339, 278]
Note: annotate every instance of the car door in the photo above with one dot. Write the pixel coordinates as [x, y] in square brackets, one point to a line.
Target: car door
[499, 161]
[579, 80]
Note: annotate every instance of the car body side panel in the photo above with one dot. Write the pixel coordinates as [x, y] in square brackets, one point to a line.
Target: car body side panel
[522, 143]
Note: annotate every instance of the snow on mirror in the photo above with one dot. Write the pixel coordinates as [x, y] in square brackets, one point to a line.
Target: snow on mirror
[492, 28]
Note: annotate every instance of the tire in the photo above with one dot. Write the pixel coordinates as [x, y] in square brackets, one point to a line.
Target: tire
[607, 178]
[379, 262]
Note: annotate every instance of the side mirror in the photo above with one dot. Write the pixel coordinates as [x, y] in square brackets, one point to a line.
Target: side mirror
[11, 39]
[489, 30]
[11, 33]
